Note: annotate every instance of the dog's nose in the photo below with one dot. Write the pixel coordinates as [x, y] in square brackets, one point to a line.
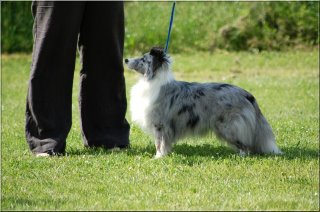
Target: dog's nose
[126, 60]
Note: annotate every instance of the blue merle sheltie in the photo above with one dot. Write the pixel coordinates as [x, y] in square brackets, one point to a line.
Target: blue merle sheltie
[169, 109]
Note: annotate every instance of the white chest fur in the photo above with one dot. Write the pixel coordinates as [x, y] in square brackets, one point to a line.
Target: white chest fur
[143, 96]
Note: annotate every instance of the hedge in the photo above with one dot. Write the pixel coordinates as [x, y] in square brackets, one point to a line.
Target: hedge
[201, 26]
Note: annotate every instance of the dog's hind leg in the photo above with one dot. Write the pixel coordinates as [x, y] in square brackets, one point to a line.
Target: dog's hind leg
[238, 131]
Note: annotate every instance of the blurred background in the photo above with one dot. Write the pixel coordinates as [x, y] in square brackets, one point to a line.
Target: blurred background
[198, 26]
[270, 49]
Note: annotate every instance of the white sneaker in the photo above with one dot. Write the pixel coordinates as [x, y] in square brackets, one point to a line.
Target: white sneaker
[42, 155]
[47, 154]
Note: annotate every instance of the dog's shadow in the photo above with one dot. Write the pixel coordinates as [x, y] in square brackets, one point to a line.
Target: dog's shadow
[200, 151]
[186, 150]
[206, 151]
[304, 153]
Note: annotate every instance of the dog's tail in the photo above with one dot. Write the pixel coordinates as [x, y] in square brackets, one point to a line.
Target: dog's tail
[264, 139]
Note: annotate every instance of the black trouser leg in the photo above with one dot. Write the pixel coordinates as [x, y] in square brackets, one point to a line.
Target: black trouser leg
[48, 113]
[102, 97]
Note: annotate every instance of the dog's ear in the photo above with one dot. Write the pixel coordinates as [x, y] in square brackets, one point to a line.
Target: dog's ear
[157, 52]
[159, 57]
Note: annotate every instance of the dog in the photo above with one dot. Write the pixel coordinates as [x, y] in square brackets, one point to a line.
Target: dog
[170, 110]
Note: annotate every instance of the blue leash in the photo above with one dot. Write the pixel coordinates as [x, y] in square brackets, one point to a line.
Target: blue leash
[170, 26]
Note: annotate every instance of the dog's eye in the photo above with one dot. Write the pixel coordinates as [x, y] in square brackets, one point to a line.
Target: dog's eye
[143, 60]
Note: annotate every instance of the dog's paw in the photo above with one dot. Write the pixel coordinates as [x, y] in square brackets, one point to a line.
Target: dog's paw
[243, 153]
[158, 156]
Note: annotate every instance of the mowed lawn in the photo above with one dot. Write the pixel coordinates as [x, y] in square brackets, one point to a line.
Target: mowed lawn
[201, 173]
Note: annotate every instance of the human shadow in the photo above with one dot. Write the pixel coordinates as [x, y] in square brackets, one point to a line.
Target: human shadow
[88, 151]
[131, 151]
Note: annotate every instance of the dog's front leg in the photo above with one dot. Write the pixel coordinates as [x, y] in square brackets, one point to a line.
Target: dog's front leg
[158, 147]
[163, 146]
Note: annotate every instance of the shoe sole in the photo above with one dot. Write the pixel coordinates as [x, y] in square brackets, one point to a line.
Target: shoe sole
[42, 155]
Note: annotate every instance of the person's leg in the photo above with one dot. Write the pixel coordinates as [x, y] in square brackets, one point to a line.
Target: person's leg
[48, 112]
[102, 98]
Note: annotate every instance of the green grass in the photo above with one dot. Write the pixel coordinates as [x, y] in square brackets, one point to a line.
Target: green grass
[200, 174]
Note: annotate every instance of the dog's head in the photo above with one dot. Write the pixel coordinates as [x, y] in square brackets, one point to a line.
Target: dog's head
[150, 64]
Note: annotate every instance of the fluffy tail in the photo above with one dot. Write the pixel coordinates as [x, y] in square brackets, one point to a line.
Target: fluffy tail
[264, 141]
